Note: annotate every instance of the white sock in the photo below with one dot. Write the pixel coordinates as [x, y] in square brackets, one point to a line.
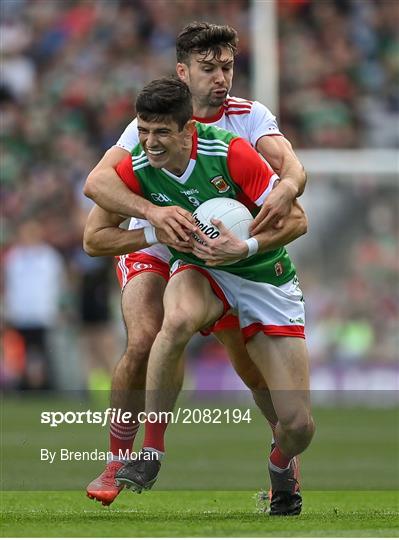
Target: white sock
[278, 469]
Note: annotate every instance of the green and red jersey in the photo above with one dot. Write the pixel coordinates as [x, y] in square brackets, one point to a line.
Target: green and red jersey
[221, 165]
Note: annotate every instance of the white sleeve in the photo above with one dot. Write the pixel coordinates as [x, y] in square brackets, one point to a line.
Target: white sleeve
[130, 137]
[262, 122]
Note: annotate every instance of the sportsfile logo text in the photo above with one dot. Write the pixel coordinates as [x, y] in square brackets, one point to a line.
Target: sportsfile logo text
[113, 415]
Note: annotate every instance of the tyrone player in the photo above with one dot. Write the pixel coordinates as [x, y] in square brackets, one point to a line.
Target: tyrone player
[177, 156]
[205, 55]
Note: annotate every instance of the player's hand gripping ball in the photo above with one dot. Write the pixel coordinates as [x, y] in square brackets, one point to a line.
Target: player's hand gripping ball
[234, 215]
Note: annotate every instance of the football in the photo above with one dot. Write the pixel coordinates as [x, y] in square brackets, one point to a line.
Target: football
[234, 215]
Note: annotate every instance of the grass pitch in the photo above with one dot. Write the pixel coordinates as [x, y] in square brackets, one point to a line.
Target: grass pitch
[350, 479]
[354, 449]
[197, 513]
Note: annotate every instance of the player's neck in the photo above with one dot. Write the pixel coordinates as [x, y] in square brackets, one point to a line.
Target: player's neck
[205, 111]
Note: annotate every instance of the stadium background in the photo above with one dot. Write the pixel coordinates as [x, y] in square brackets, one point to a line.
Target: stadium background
[69, 75]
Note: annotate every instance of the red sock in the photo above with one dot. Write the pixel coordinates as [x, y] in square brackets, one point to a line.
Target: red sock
[121, 436]
[279, 459]
[154, 435]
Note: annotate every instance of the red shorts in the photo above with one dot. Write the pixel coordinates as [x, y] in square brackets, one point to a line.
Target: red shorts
[227, 322]
[129, 266]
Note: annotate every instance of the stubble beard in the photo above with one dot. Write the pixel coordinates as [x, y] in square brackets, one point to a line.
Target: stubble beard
[209, 101]
[214, 101]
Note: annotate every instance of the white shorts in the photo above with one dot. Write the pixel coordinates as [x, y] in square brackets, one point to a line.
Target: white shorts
[261, 307]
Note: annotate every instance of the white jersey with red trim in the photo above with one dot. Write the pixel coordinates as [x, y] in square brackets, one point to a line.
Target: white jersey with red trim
[248, 119]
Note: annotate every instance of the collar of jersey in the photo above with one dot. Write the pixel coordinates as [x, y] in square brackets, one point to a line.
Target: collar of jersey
[191, 164]
[214, 118]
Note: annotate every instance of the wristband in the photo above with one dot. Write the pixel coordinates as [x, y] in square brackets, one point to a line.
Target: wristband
[150, 235]
[253, 246]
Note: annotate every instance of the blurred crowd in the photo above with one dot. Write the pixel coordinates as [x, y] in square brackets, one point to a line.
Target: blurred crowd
[339, 72]
[70, 71]
[350, 277]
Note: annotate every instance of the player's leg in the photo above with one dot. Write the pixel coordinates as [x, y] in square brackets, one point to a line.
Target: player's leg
[142, 311]
[283, 361]
[273, 326]
[253, 378]
[272, 320]
[190, 304]
[228, 332]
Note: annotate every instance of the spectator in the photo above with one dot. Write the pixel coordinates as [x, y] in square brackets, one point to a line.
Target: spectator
[33, 285]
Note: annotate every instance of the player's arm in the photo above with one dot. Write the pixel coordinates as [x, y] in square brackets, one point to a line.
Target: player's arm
[267, 139]
[103, 185]
[227, 247]
[105, 188]
[296, 225]
[278, 151]
[103, 236]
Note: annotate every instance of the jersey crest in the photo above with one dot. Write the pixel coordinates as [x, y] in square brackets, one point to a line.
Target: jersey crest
[220, 184]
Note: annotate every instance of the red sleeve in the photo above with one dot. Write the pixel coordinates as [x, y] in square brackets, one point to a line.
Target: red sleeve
[250, 171]
[125, 171]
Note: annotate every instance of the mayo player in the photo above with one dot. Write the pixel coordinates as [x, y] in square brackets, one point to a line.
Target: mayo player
[205, 56]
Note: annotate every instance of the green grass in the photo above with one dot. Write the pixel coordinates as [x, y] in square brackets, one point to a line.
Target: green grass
[353, 449]
[196, 513]
[211, 473]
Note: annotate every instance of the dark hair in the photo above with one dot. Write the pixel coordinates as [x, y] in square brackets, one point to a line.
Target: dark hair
[206, 38]
[169, 98]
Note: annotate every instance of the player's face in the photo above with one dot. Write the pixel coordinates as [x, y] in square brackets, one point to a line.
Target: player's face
[208, 78]
[165, 146]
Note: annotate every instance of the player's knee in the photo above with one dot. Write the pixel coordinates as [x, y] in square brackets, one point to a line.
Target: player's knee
[180, 326]
[304, 429]
[300, 425]
[131, 370]
[136, 362]
[138, 349]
